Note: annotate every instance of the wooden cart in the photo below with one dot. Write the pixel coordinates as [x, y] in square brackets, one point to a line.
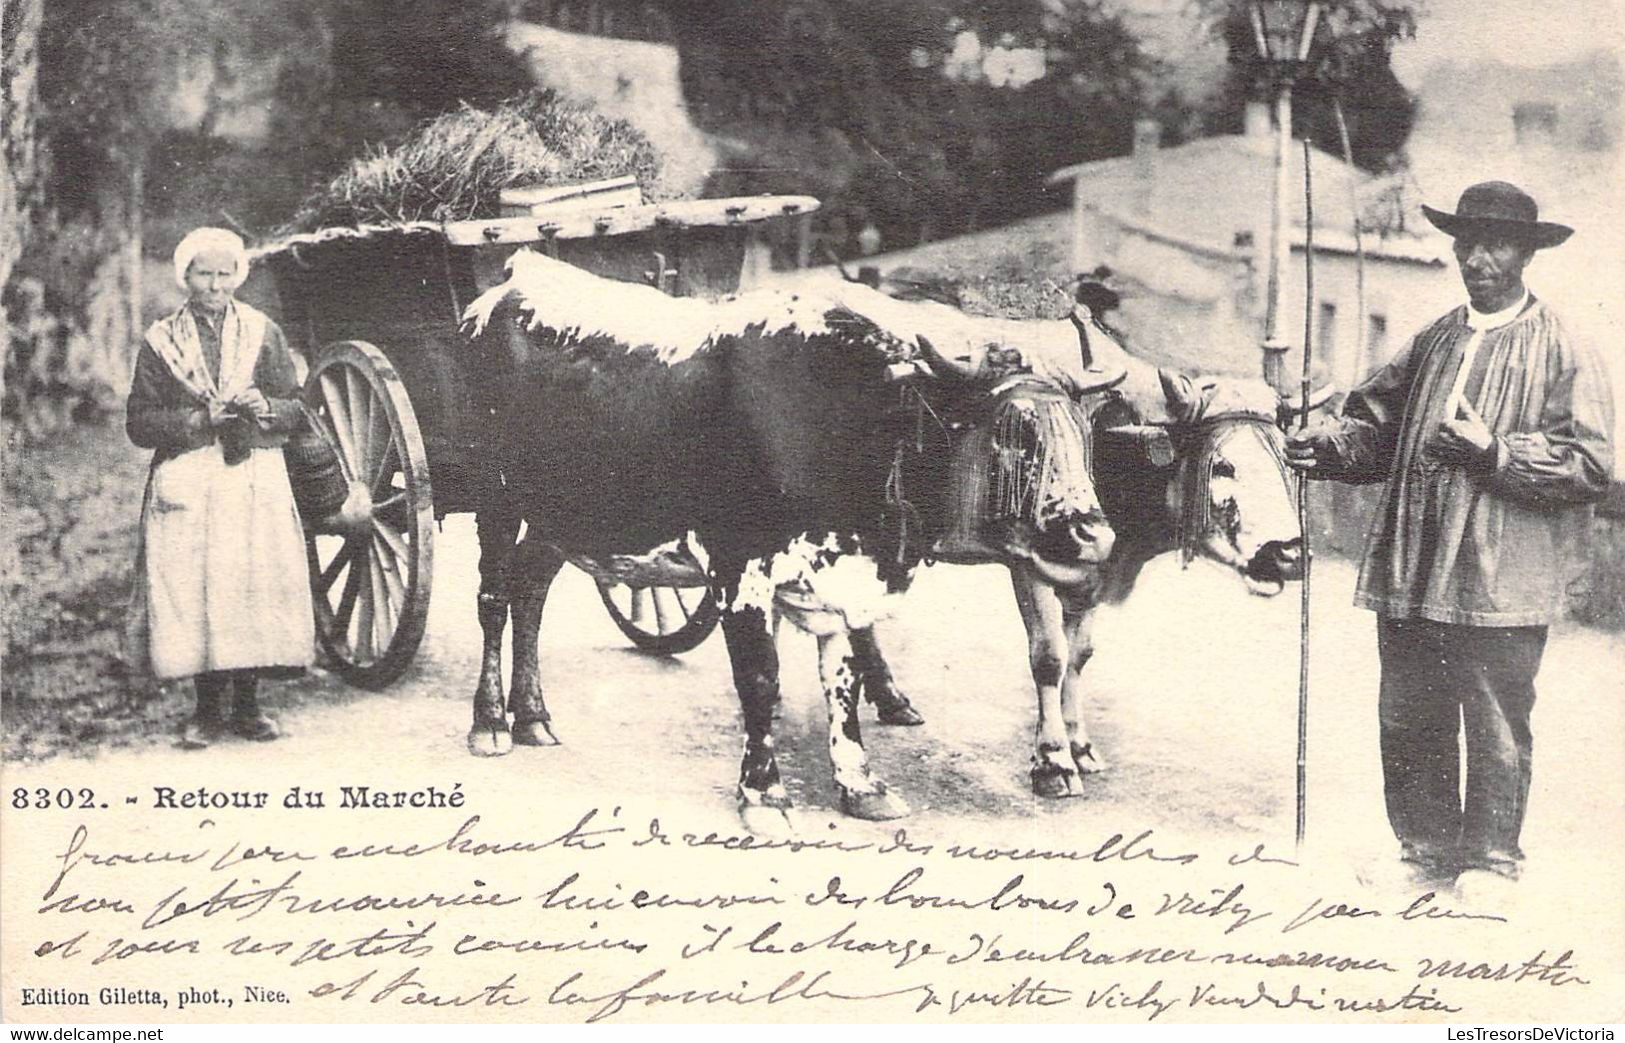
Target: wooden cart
[375, 313]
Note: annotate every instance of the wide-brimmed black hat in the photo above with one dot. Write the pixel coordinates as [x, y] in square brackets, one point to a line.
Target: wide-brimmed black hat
[1500, 207]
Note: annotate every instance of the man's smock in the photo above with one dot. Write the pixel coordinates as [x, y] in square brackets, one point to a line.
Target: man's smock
[1484, 546]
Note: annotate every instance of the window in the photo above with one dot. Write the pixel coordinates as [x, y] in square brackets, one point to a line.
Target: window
[1534, 122]
[1326, 334]
[1376, 337]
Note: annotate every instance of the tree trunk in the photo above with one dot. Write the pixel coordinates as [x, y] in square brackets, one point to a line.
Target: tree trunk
[19, 67]
[19, 73]
[113, 296]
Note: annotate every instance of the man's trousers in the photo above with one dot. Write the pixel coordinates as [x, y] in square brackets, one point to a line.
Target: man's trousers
[1441, 681]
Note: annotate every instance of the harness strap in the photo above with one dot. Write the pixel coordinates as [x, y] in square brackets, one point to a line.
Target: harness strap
[908, 516]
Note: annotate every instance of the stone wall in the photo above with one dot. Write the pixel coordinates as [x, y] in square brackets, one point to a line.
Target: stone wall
[634, 80]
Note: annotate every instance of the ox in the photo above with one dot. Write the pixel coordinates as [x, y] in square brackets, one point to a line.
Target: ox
[782, 437]
[1197, 466]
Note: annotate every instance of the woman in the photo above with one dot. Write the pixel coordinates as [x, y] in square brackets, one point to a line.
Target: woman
[222, 587]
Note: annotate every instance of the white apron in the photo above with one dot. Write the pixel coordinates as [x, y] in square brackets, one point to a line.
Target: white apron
[222, 581]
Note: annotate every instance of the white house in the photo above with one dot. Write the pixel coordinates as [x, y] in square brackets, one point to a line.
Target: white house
[1187, 229]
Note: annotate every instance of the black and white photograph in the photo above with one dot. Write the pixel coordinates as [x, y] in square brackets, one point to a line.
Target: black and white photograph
[813, 511]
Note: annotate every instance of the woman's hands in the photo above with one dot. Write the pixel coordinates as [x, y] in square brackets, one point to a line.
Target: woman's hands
[219, 412]
[252, 404]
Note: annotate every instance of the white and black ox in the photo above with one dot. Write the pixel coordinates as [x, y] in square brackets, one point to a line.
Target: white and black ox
[795, 445]
[1195, 465]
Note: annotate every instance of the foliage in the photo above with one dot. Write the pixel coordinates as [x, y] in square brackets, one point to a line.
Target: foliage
[371, 70]
[1349, 62]
[455, 166]
[858, 102]
[347, 74]
[107, 71]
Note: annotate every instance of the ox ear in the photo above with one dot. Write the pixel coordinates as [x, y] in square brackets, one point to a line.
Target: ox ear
[1149, 443]
[1184, 398]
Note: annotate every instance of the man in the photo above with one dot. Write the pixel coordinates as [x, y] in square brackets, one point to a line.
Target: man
[1492, 429]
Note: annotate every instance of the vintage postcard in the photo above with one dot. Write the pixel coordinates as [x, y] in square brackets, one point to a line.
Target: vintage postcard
[623, 513]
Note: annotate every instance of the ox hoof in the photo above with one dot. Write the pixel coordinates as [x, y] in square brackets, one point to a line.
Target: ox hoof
[762, 820]
[1054, 782]
[1262, 588]
[489, 739]
[765, 812]
[534, 733]
[1088, 759]
[897, 711]
[877, 805]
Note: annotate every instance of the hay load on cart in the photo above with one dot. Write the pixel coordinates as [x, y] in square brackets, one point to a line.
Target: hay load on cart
[400, 411]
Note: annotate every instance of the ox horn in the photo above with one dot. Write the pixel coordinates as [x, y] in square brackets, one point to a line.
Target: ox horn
[1183, 398]
[942, 364]
[1083, 318]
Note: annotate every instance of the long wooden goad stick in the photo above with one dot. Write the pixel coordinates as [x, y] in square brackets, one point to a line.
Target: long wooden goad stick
[1303, 489]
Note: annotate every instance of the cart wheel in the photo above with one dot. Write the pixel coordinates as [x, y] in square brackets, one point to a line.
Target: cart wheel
[370, 563]
[661, 620]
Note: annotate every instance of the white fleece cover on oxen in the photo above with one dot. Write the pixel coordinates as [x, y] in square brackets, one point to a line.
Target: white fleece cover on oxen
[1049, 348]
[562, 297]
[816, 592]
[819, 594]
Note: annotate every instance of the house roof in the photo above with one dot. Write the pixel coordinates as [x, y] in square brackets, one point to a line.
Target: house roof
[1236, 157]
[1205, 193]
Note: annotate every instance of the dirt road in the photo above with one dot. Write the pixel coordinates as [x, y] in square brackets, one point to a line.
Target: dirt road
[1192, 701]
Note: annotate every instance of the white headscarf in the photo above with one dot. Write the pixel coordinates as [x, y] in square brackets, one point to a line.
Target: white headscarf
[200, 239]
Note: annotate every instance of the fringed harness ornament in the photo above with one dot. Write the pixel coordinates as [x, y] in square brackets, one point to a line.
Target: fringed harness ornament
[1199, 444]
[901, 512]
[1030, 463]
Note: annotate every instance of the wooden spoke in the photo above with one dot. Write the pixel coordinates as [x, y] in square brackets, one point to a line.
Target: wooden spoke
[362, 403]
[347, 600]
[382, 626]
[385, 467]
[374, 629]
[394, 500]
[359, 403]
[365, 645]
[378, 444]
[662, 622]
[393, 541]
[343, 425]
[324, 582]
[389, 560]
[677, 627]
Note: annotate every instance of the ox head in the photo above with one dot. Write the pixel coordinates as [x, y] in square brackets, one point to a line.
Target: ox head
[1028, 465]
[1234, 496]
